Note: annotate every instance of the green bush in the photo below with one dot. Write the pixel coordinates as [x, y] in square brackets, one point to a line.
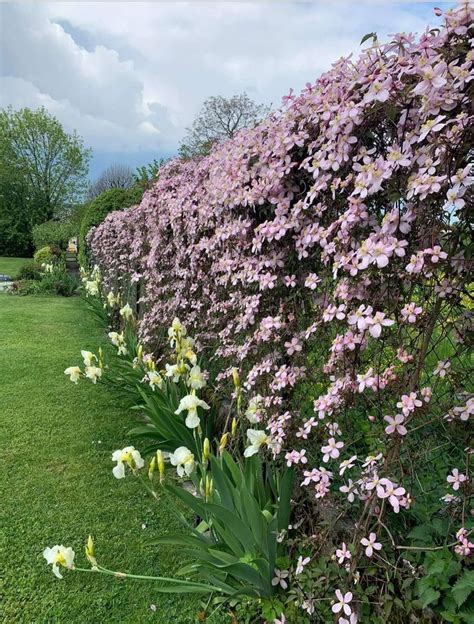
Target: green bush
[56, 282]
[30, 271]
[50, 253]
[99, 208]
[53, 233]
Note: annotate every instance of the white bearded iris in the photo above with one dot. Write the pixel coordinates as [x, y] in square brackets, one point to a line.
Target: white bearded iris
[128, 455]
[196, 379]
[93, 373]
[155, 380]
[88, 358]
[59, 556]
[74, 373]
[257, 439]
[190, 403]
[126, 312]
[183, 459]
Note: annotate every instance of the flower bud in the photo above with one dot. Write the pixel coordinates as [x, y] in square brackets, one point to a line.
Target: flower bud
[236, 378]
[223, 442]
[90, 552]
[234, 426]
[206, 451]
[140, 352]
[209, 487]
[152, 468]
[161, 465]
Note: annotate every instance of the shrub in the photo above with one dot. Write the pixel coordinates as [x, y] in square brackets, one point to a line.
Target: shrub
[30, 271]
[100, 207]
[53, 233]
[50, 253]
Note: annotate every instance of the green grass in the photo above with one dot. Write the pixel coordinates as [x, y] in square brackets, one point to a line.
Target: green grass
[11, 266]
[56, 481]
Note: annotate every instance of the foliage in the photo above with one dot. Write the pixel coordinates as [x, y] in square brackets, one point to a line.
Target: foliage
[220, 119]
[146, 174]
[49, 253]
[53, 232]
[100, 207]
[42, 168]
[115, 176]
[30, 271]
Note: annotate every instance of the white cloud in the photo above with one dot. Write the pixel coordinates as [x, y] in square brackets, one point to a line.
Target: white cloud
[130, 76]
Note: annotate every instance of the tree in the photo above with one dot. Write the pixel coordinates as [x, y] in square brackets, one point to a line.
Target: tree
[42, 167]
[116, 176]
[220, 119]
[145, 175]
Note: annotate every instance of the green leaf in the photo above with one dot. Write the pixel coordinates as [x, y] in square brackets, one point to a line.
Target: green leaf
[464, 587]
[428, 596]
[368, 36]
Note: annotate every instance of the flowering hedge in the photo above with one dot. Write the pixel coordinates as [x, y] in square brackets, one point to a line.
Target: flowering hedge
[329, 249]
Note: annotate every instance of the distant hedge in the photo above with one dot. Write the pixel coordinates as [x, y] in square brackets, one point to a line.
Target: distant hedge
[53, 233]
[99, 208]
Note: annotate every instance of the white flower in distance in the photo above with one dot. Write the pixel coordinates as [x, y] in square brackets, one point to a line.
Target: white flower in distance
[128, 455]
[88, 358]
[126, 312]
[92, 287]
[196, 379]
[59, 556]
[183, 459]
[118, 340]
[172, 370]
[93, 373]
[155, 380]
[176, 330]
[254, 409]
[190, 403]
[257, 439]
[112, 299]
[74, 373]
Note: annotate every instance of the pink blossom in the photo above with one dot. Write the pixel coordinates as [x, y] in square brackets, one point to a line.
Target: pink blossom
[296, 457]
[409, 402]
[395, 424]
[279, 578]
[371, 544]
[410, 311]
[442, 368]
[426, 394]
[294, 346]
[376, 323]
[343, 553]
[302, 562]
[331, 449]
[343, 602]
[347, 464]
[312, 281]
[393, 492]
[456, 478]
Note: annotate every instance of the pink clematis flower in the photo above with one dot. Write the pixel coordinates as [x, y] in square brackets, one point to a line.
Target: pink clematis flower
[343, 602]
[456, 478]
[331, 449]
[395, 425]
[279, 578]
[371, 544]
[343, 553]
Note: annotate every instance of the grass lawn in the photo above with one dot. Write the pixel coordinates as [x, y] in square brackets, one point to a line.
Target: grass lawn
[11, 266]
[57, 484]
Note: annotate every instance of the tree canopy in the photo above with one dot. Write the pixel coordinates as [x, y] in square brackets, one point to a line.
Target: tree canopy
[220, 119]
[42, 169]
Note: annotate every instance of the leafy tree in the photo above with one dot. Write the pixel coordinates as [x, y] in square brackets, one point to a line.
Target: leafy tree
[146, 174]
[42, 169]
[220, 119]
[116, 176]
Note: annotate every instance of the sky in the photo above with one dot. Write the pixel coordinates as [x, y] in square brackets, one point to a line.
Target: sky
[131, 76]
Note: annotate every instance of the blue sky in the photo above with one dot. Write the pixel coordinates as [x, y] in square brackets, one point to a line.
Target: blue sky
[130, 76]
